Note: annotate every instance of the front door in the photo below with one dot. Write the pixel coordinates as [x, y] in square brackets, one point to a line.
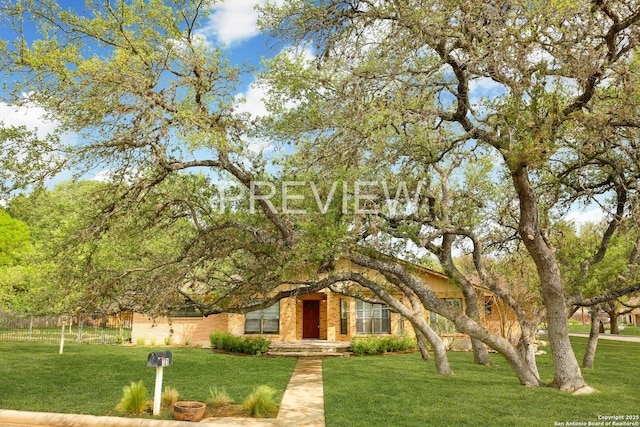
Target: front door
[310, 319]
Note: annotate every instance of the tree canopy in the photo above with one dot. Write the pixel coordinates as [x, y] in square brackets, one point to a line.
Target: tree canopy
[545, 91]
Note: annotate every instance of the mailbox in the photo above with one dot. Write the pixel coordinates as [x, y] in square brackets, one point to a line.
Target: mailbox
[159, 359]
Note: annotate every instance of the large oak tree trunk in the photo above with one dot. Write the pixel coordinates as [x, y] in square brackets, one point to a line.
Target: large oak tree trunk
[527, 347]
[567, 370]
[592, 344]
[520, 366]
[612, 311]
[422, 344]
[423, 329]
[439, 351]
[480, 353]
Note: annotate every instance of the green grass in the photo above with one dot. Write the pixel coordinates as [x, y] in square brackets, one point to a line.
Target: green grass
[578, 328]
[88, 379]
[631, 331]
[586, 328]
[392, 390]
[402, 390]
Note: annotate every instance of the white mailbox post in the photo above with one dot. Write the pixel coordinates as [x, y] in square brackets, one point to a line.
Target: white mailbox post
[158, 360]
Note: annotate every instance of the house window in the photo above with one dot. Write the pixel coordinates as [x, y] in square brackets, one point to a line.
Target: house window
[488, 306]
[265, 321]
[372, 318]
[454, 302]
[344, 320]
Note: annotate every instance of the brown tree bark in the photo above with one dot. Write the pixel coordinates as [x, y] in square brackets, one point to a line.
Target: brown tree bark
[527, 346]
[567, 370]
[439, 351]
[480, 352]
[612, 310]
[592, 344]
[422, 344]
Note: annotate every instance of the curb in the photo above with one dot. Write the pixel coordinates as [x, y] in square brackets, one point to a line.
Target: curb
[25, 418]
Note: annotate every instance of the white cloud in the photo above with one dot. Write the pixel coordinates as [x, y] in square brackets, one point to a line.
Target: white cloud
[579, 218]
[253, 101]
[105, 175]
[233, 21]
[31, 117]
[253, 104]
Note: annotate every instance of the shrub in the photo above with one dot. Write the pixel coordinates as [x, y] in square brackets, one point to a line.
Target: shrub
[361, 346]
[247, 345]
[261, 403]
[140, 341]
[134, 398]
[167, 340]
[219, 397]
[169, 397]
[364, 345]
[256, 345]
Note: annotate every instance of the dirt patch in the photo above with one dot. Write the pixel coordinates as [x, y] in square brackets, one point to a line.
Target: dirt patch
[227, 410]
[231, 410]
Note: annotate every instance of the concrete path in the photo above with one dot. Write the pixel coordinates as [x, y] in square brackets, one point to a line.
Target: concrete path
[302, 405]
[627, 338]
[303, 401]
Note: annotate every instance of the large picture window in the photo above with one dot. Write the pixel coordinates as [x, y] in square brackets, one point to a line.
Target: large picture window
[372, 318]
[265, 321]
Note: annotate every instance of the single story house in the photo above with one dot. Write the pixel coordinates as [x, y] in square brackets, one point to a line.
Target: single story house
[319, 316]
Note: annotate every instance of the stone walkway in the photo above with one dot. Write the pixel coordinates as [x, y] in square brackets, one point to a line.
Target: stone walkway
[302, 403]
[302, 406]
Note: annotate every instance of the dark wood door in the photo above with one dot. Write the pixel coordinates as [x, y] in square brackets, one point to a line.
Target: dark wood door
[310, 319]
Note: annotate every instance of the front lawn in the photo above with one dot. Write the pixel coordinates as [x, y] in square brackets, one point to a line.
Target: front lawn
[392, 390]
[586, 328]
[401, 390]
[631, 331]
[88, 379]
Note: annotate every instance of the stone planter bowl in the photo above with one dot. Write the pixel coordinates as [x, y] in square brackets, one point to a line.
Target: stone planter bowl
[188, 411]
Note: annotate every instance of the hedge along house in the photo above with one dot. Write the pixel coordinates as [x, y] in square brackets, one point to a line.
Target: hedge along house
[323, 315]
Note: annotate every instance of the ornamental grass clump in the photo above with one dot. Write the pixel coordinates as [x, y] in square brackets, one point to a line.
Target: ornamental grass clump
[219, 397]
[169, 397]
[261, 402]
[134, 398]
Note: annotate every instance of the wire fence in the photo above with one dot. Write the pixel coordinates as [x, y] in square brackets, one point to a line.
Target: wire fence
[96, 328]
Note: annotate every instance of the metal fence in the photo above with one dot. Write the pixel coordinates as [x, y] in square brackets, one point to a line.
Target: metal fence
[97, 328]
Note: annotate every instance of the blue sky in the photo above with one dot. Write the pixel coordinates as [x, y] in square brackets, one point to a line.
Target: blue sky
[232, 24]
